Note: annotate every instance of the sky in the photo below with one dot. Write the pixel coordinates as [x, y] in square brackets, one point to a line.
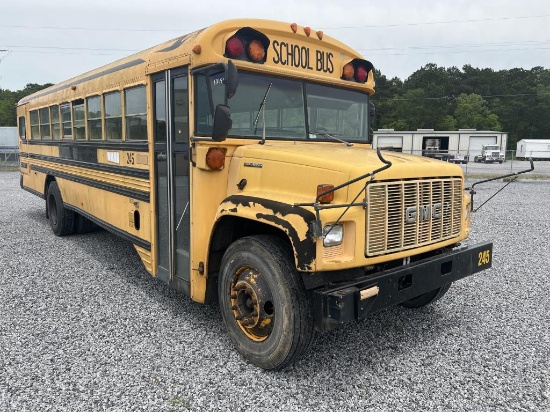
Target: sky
[48, 42]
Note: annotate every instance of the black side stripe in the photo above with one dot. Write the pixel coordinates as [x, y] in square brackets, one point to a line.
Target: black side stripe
[113, 229]
[134, 194]
[119, 170]
[137, 146]
[34, 192]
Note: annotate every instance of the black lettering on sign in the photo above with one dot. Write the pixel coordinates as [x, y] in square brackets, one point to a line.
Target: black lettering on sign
[289, 60]
[324, 62]
[287, 54]
[276, 58]
[296, 55]
[129, 158]
[330, 65]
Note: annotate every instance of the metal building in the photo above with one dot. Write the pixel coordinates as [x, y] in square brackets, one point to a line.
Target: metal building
[440, 144]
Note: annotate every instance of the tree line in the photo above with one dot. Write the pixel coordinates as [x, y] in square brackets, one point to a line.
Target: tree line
[516, 101]
[9, 99]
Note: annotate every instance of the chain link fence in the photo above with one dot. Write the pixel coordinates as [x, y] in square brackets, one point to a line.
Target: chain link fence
[9, 158]
[477, 166]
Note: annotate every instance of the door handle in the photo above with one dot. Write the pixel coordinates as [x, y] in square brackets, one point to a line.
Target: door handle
[161, 156]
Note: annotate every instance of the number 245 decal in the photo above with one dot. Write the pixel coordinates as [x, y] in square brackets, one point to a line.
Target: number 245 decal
[484, 258]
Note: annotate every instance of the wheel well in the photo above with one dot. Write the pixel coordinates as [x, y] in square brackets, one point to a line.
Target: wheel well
[227, 230]
[49, 179]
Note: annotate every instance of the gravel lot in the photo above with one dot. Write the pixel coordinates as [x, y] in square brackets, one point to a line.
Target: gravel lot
[84, 327]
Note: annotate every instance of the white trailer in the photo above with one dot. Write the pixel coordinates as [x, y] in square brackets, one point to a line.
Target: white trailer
[9, 145]
[536, 149]
[8, 138]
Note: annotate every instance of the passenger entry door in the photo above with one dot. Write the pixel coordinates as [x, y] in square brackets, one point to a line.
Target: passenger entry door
[171, 134]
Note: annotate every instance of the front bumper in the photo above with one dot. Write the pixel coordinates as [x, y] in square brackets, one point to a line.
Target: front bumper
[344, 302]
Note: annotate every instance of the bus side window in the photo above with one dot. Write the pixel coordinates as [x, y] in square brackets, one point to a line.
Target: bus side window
[93, 105]
[35, 125]
[136, 113]
[79, 124]
[113, 116]
[56, 125]
[66, 120]
[181, 109]
[45, 132]
[22, 128]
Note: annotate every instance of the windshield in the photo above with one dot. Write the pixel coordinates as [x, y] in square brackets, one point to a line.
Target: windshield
[294, 109]
[492, 147]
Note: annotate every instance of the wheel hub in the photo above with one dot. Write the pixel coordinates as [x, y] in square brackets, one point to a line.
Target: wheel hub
[252, 304]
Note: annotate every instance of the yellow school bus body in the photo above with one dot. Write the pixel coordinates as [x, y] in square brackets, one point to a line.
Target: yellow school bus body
[119, 191]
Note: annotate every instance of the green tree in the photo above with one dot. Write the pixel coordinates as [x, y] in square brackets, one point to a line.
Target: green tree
[472, 113]
[386, 90]
[9, 99]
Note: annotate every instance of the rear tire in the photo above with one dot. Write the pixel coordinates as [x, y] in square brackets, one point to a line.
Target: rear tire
[61, 219]
[426, 298]
[83, 225]
[265, 307]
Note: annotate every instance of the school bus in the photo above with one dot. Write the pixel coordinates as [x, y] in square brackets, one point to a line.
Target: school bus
[237, 161]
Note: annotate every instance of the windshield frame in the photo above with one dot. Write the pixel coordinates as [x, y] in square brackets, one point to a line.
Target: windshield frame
[308, 131]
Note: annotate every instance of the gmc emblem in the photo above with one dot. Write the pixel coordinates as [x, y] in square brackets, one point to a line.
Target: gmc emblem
[423, 213]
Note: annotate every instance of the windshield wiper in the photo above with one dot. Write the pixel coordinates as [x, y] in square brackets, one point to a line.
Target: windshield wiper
[332, 136]
[262, 110]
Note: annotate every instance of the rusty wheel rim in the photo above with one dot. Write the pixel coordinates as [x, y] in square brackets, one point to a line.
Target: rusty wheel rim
[252, 304]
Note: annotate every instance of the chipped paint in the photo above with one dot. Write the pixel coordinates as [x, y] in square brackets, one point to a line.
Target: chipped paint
[281, 216]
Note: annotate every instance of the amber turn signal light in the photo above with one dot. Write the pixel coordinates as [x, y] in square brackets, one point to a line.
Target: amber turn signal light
[327, 198]
[215, 158]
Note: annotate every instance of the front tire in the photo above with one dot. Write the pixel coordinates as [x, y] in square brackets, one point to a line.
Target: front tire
[426, 298]
[264, 305]
[61, 219]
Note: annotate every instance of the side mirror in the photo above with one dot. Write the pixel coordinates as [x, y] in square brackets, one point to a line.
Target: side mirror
[232, 80]
[222, 123]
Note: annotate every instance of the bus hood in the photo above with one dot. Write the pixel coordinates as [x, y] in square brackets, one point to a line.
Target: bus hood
[348, 162]
[291, 172]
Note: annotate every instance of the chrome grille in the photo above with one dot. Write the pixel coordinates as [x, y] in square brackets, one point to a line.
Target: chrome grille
[407, 214]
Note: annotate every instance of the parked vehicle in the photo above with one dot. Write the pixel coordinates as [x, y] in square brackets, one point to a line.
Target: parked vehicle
[458, 158]
[490, 153]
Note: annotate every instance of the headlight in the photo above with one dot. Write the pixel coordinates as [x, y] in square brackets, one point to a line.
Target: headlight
[333, 235]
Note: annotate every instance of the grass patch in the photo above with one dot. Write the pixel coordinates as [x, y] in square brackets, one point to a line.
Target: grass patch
[179, 402]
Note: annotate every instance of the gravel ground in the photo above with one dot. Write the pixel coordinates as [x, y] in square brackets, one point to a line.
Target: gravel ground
[84, 327]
